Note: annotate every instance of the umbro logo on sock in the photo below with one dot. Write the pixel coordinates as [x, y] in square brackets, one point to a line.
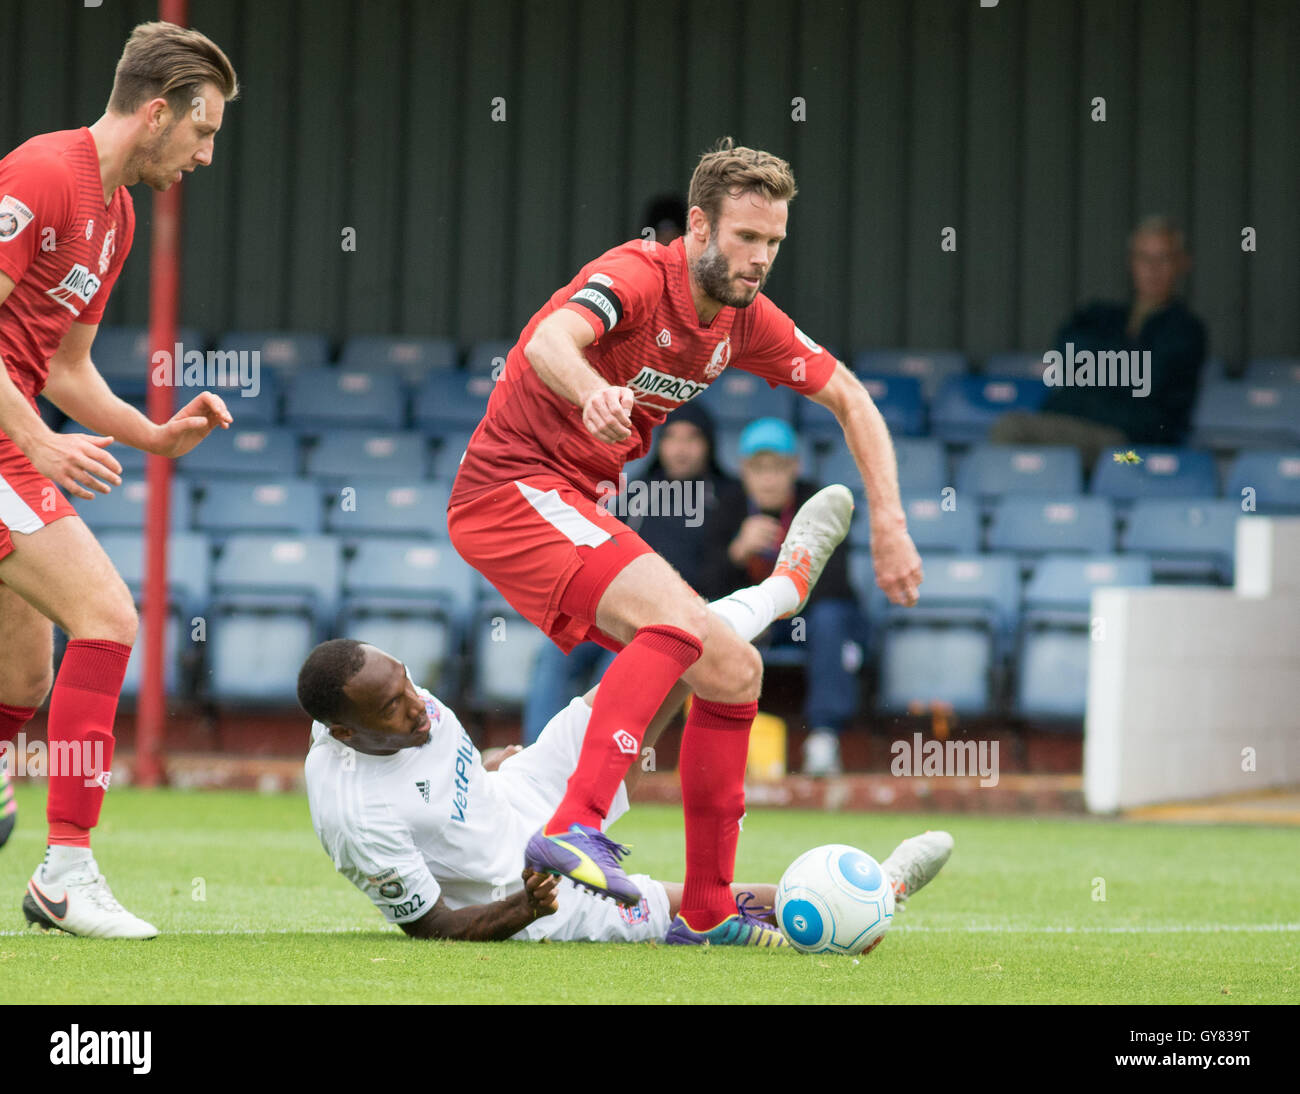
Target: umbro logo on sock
[423, 787]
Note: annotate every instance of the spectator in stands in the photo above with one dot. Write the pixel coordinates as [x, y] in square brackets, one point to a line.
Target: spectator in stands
[679, 524]
[747, 543]
[1095, 418]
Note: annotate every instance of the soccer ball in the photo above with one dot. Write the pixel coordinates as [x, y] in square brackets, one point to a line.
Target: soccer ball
[834, 899]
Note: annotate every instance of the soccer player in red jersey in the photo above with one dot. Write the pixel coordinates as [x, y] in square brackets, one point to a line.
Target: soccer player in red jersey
[66, 225]
[639, 331]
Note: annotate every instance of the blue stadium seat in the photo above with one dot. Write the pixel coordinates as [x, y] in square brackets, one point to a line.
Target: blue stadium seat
[949, 647]
[898, 399]
[1273, 476]
[131, 459]
[1267, 371]
[1036, 526]
[242, 451]
[412, 601]
[123, 507]
[446, 457]
[991, 471]
[1056, 633]
[737, 398]
[283, 352]
[1236, 414]
[967, 406]
[327, 399]
[343, 455]
[503, 646]
[121, 356]
[381, 507]
[729, 453]
[1187, 539]
[251, 395]
[409, 358]
[279, 504]
[1163, 473]
[932, 525]
[1016, 364]
[274, 598]
[488, 358]
[922, 467]
[448, 402]
[930, 367]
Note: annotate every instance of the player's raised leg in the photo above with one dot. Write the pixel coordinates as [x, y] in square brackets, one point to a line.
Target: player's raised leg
[26, 673]
[63, 573]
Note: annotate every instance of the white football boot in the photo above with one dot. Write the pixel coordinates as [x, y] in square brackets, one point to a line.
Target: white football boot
[914, 863]
[816, 530]
[79, 901]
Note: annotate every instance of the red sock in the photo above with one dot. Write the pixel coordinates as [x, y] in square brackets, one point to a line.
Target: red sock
[12, 720]
[633, 688]
[82, 708]
[715, 748]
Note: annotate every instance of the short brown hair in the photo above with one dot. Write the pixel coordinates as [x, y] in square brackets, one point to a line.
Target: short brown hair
[162, 59]
[730, 170]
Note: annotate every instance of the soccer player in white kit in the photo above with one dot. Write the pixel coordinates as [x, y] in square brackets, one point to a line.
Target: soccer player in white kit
[410, 814]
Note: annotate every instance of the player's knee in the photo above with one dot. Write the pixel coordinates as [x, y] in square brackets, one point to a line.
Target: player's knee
[23, 687]
[749, 673]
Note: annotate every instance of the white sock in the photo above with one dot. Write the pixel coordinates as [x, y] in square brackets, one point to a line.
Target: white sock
[749, 612]
[59, 859]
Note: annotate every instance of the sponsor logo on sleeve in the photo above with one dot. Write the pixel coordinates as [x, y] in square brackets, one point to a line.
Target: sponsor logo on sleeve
[14, 217]
[807, 341]
[388, 884]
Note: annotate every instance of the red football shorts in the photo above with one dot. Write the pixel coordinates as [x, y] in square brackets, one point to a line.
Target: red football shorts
[28, 500]
[550, 550]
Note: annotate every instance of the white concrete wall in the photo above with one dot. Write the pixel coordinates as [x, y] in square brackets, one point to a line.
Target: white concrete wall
[1183, 680]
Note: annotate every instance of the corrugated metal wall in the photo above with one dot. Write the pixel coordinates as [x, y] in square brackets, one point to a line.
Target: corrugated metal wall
[919, 115]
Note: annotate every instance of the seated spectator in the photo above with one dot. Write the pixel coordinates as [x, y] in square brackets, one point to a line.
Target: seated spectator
[748, 540]
[1095, 418]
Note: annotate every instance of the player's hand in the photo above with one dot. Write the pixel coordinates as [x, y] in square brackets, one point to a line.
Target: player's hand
[78, 462]
[204, 413]
[542, 893]
[607, 414]
[897, 565]
[494, 759]
[757, 534]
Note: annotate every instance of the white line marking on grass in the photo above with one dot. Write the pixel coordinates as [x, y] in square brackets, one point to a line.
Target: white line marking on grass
[1168, 928]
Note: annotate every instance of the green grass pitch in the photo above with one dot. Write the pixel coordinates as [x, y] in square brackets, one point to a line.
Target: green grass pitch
[252, 912]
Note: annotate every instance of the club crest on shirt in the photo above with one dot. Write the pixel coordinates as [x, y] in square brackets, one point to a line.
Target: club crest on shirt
[720, 359]
[106, 255]
[90, 227]
[14, 217]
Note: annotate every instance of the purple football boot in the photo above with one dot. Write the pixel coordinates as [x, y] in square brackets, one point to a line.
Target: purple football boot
[746, 928]
[587, 857]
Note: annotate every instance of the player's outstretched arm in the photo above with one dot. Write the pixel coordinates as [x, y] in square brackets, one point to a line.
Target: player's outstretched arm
[897, 564]
[76, 387]
[555, 352]
[489, 922]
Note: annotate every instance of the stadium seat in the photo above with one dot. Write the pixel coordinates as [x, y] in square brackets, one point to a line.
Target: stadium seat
[1162, 473]
[346, 454]
[451, 402]
[488, 358]
[967, 406]
[1016, 364]
[408, 358]
[922, 467]
[991, 471]
[1273, 476]
[412, 601]
[1036, 526]
[950, 646]
[228, 507]
[933, 524]
[1237, 414]
[446, 457]
[123, 507]
[1056, 630]
[273, 598]
[930, 367]
[1187, 539]
[121, 356]
[283, 352]
[737, 398]
[242, 451]
[503, 646]
[251, 396]
[381, 507]
[898, 399]
[1266, 371]
[326, 399]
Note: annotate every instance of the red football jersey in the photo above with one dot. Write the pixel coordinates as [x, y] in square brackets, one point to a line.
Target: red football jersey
[61, 246]
[649, 338]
